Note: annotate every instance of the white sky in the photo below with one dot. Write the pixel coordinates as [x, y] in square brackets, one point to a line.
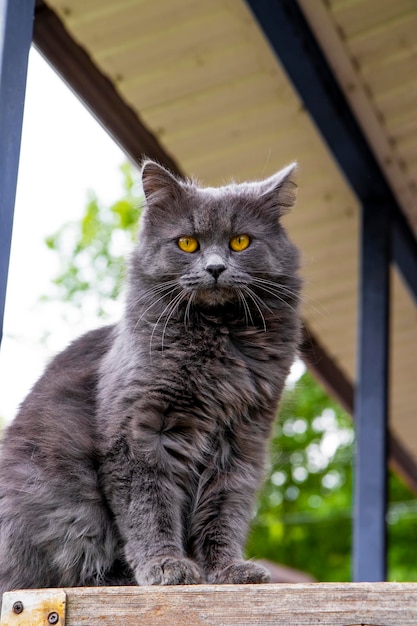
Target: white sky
[64, 153]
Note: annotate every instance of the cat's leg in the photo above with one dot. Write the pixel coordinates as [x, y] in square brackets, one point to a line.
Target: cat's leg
[220, 526]
[148, 508]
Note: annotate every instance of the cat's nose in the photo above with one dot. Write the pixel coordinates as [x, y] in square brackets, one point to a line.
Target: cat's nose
[215, 269]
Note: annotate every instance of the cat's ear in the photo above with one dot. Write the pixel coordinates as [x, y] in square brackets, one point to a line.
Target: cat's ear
[279, 192]
[159, 185]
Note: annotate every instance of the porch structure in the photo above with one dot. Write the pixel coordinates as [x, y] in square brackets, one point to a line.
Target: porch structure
[236, 89]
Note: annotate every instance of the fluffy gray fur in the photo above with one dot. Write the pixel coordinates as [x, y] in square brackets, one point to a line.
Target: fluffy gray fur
[136, 456]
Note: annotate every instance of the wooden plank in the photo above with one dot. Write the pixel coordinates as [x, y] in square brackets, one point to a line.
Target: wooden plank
[82, 10]
[385, 604]
[323, 314]
[244, 119]
[359, 17]
[375, 45]
[255, 88]
[190, 77]
[115, 27]
[391, 78]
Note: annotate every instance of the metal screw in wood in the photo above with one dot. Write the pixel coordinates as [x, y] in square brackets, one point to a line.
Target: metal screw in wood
[53, 617]
[18, 607]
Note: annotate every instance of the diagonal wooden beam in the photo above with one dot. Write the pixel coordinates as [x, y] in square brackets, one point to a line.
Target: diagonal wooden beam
[336, 383]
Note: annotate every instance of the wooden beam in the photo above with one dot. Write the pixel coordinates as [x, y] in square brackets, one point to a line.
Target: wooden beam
[377, 604]
[326, 371]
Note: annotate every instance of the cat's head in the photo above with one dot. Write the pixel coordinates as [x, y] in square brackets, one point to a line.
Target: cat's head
[214, 244]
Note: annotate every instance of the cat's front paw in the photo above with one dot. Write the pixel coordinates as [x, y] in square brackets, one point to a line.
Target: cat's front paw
[168, 571]
[240, 572]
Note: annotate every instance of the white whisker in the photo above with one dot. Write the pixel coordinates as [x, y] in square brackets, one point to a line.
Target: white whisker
[250, 294]
[187, 309]
[274, 292]
[154, 290]
[175, 304]
[259, 299]
[155, 302]
[246, 309]
[313, 303]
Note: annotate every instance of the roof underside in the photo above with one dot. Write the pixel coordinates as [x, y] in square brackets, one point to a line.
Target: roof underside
[204, 81]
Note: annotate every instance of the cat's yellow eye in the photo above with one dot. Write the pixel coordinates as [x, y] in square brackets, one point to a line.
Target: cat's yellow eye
[239, 243]
[188, 244]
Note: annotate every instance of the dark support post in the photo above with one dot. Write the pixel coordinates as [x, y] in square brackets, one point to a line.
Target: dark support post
[371, 400]
[16, 24]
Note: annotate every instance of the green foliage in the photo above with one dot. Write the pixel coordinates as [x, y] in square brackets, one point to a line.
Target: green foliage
[303, 515]
[402, 532]
[92, 252]
[304, 512]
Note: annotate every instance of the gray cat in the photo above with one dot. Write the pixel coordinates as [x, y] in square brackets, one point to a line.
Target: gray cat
[136, 456]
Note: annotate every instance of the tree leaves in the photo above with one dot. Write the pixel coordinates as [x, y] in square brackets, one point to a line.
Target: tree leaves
[307, 491]
[92, 252]
[304, 513]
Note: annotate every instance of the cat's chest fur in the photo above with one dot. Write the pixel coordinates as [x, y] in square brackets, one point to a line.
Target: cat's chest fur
[222, 362]
[198, 396]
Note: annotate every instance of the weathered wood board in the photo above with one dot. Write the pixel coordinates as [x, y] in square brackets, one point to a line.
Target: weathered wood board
[324, 604]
